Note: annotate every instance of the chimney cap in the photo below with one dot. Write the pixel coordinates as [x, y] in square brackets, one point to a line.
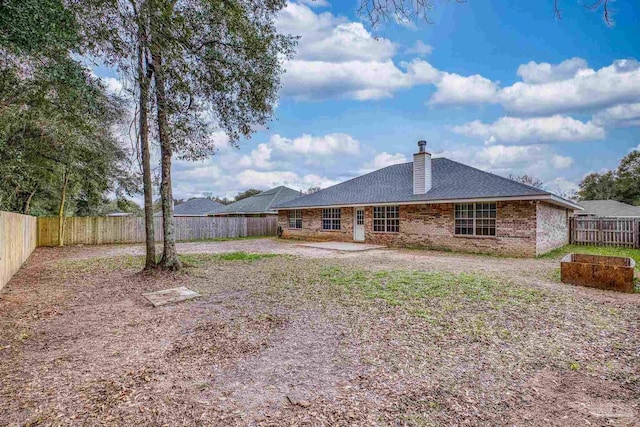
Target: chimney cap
[421, 146]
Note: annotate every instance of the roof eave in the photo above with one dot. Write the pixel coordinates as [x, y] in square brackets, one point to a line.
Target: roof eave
[551, 198]
[243, 213]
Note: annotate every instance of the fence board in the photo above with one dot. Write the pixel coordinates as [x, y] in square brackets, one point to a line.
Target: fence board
[620, 232]
[103, 230]
[18, 238]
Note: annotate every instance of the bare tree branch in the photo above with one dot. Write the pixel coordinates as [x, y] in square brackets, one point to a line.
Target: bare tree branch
[379, 11]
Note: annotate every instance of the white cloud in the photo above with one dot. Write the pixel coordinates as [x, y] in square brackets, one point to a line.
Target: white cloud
[513, 130]
[535, 160]
[561, 162]
[420, 48]
[589, 89]
[299, 163]
[382, 160]
[325, 37]
[562, 186]
[264, 180]
[337, 58]
[317, 80]
[258, 158]
[113, 85]
[404, 21]
[547, 89]
[315, 3]
[422, 72]
[534, 72]
[624, 115]
[454, 89]
[312, 146]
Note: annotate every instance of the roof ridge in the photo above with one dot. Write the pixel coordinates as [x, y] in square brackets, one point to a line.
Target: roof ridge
[274, 197]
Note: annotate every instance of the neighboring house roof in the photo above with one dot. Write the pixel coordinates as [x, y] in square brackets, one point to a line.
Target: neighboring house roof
[262, 203]
[609, 208]
[199, 206]
[451, 181]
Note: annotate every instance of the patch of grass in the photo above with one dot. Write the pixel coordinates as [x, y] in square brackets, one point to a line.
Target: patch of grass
[203, 385]
[22, 336]
[137, 262]
[200, 259]
[228, 239]
[104, 263]
[397, 287]
[440, 250]
[594, 250]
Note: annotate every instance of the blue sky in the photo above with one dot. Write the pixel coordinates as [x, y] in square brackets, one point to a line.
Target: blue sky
[506, 88]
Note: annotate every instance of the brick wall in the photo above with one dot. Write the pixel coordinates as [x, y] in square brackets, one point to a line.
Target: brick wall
[552, 228]
[312, 226]
[432, 226]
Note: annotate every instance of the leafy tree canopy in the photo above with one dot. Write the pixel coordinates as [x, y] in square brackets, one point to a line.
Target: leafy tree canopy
[56, 119]
[623, 184]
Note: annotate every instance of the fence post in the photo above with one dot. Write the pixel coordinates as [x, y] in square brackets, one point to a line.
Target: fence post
[600, 232]
[571, 229]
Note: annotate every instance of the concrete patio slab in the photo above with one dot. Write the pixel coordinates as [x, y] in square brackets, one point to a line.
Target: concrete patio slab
[168, 296]
[342, 246]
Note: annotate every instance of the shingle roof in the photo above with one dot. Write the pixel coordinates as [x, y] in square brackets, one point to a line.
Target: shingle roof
[450, 180]
[261, 203]
[199, 206]
[609, 208]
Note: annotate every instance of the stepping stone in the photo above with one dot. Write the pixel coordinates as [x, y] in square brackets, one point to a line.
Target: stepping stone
[169, 296]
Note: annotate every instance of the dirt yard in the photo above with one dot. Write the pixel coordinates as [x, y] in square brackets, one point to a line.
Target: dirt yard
[305, 336]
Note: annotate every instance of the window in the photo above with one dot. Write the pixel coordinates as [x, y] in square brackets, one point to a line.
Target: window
[295, 218]
[359, 216]
[386, 219]
[475, 219]
[331, 219]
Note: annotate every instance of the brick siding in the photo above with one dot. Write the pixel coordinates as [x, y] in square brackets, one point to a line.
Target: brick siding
[523, 228]
[552, 228]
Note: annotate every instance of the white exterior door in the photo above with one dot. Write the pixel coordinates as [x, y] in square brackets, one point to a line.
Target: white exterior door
[358, 224]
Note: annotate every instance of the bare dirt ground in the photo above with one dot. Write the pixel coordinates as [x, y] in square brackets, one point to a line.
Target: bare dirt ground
[313, 337]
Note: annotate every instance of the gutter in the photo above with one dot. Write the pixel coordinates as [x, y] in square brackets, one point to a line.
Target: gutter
[551, 198]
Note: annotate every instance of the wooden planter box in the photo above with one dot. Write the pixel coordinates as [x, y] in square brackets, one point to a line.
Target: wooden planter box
[602, 272]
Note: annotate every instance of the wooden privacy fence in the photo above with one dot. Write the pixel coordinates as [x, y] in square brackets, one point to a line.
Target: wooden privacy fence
[17, 240]
[103, 230]
[622, 232]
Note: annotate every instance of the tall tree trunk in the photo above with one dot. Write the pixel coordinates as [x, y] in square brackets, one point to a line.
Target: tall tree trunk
[143, 81]
[27, 203]
[169, 255]
[65, 182]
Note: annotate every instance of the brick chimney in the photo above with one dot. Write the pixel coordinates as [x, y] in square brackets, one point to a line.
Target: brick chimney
[421, 169]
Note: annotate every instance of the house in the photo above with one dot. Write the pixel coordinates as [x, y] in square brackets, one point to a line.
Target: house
[259, 205]
[198, 206]
[608, 208]
[434, 203]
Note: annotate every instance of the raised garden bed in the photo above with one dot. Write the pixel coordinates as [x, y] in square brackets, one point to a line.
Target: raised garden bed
[596, 271]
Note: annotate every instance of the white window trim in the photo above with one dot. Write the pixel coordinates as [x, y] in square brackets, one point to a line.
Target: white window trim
[332, 218]
[295, 218]
[385, 219]
[474, 220]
